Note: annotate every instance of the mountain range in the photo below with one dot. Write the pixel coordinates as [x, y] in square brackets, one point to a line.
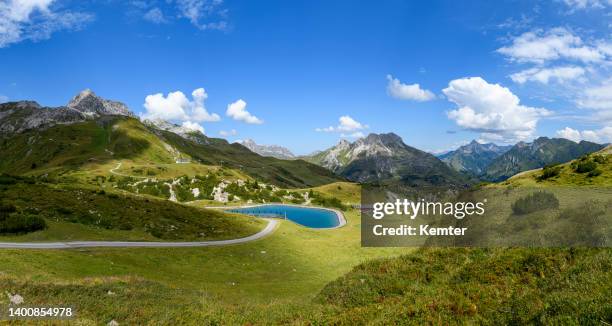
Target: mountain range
[267, 150]
[36, 139]
[542, 151]
[386, 158]
[33, 137]
[491, 162]
[474, 157]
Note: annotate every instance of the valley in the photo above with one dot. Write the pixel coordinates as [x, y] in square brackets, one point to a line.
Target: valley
[106, 178]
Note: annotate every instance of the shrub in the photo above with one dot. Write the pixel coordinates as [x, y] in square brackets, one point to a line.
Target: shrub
[7, 180]
[7, 208]
[18, 223]
[534, 202]
[594, 173]
[585, 166]
[600, 159]
[550, 171]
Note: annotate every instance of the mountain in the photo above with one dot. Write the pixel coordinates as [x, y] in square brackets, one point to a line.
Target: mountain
[184, 132]
[333, 158]
[384, 158]
[268, 150]
[542, 151]
[92, 131]
[90, 104]
[474, 157]
[16, 117]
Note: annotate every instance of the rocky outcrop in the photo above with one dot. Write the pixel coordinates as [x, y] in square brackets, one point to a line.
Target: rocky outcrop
[16, 117]
[268, 150]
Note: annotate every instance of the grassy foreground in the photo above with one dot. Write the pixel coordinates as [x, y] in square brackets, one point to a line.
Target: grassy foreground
[273, 280]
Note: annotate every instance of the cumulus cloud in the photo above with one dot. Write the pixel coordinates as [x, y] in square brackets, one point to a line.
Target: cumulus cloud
[414, 92]
[176, 106]
[238, 111]
[35, 20]
[348, 126]
[492, 110]
[544, 75]
[558, 43]
[3, 98]
[193, 126]
[225, 133]
[199, 10]
[603, 135]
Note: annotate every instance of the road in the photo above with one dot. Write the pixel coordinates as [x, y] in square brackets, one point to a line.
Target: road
[269, 229]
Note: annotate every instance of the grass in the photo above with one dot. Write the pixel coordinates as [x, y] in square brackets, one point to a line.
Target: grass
[273, 280]
[568, 174]
[477, 286]
[143, 215]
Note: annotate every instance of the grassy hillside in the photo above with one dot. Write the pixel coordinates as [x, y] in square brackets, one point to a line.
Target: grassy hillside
[541, 152]
[573, 173]
[74, 147]
[89, 211]
[270, 281]
[70, 147]
[477, 286]
[283, 173]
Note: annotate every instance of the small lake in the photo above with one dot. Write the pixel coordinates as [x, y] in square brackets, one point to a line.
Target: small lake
[307, 216]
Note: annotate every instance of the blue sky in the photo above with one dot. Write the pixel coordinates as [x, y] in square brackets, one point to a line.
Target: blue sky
[305, 74]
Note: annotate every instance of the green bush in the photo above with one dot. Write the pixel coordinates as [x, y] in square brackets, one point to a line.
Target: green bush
[534, 202]
[18, 223]
[7, 208]
[550, 171]
[585, 166]
[594, 173]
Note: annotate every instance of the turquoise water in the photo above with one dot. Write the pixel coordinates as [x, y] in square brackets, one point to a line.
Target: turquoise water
[306, 216]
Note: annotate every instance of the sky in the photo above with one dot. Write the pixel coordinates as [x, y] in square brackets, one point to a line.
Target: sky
[304, 74]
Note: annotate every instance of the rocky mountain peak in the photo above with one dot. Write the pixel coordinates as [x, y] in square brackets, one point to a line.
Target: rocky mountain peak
[90, 104]
[268, 150]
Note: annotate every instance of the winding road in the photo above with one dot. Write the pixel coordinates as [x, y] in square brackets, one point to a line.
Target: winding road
[139, 244]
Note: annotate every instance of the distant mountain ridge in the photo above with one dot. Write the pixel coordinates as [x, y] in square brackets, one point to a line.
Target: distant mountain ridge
[386, 158]
[92, 130]
[17, 117]
[542, 151]
[267, 150]
[474, 157]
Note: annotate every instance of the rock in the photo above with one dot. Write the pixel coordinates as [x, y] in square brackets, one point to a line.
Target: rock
[15, 299]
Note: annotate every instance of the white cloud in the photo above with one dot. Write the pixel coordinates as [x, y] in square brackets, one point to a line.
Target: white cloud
[492, 110]
[414, 92]
[557, 43]
[544, 75]
[155, 15]
[198, 10]
[598, 97]
[35, 20]
[176, 106]
[225, 133]
[194, 126]
[603, 135]
[587, 4]
[347, 125]
[3, 98]
[237, 111]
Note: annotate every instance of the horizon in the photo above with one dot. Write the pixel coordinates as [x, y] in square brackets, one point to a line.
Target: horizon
[240, 141]
[438, 75]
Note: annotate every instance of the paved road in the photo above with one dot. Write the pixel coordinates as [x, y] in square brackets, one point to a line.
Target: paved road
[138, 244]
